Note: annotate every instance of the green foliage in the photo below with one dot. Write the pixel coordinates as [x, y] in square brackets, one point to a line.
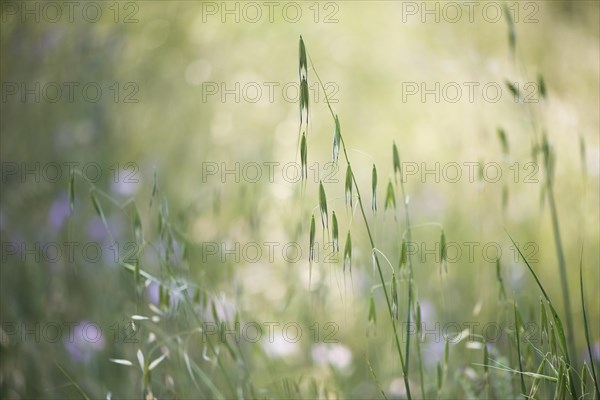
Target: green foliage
[171, 286]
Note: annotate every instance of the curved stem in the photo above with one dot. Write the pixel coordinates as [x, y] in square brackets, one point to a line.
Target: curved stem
[372, 243]
[386, 259]
[537, 125]
[410, 279]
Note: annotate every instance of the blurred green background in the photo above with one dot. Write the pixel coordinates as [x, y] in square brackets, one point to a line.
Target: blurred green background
[164, 119]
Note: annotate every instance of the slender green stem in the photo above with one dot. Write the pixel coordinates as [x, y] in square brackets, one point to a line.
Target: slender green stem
[562, 267]
[585, 325]
[536, 126]
[518, 340]
[385, 292]
[408, 235]
[557, 321]
[375, 378]
[421, 374]
[386, 259]
[75, 384]
[410, 279]
[372, 243]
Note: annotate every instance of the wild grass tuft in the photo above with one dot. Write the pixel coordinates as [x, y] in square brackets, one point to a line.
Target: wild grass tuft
[351, 184]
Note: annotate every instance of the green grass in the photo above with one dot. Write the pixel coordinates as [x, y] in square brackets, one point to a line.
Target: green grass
[365, 301]
[566, 381]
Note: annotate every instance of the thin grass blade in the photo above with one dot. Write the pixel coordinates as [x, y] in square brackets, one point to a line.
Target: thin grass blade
[374, 189]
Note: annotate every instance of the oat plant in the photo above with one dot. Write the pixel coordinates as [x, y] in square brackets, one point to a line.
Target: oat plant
[352, 191]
